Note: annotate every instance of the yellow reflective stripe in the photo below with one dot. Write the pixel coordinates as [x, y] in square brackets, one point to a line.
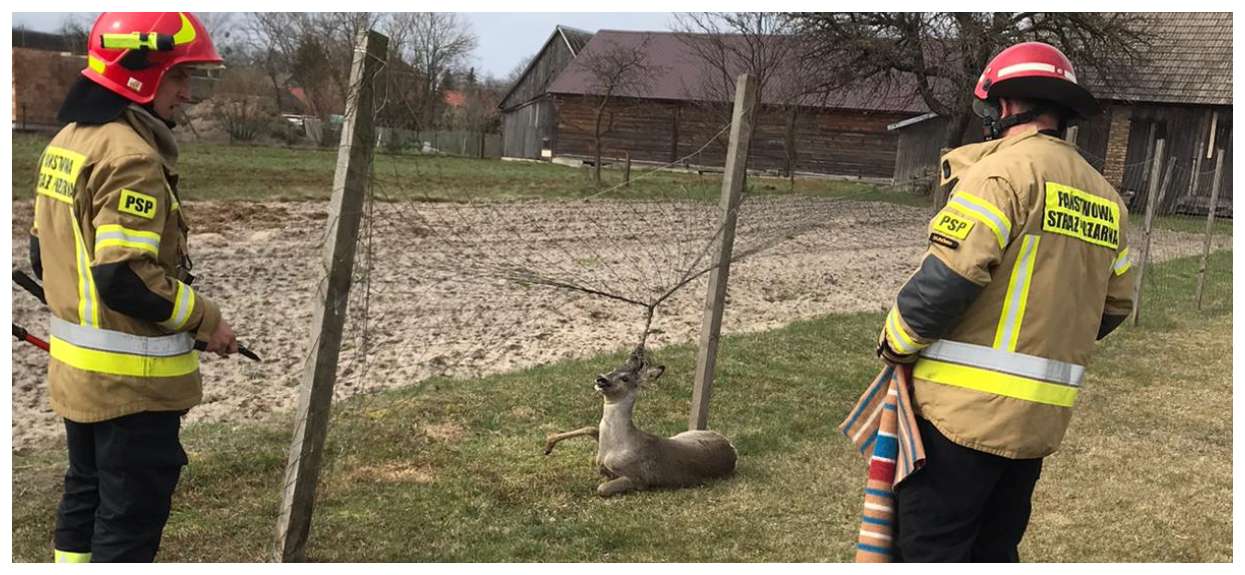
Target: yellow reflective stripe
[899, 340]
[113, 235]
[1017, 298]
[95, 64]
[123, 363]
[185, 34]
[984, 212]
[88, 302]
[988, 381]
[71, 557]
[1122, 263]
[183, 306]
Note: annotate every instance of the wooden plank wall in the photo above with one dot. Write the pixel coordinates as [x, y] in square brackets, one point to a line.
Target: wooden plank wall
[1185, 130]
[836, 142]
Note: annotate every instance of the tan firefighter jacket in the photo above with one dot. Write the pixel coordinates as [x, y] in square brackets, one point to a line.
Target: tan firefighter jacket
[112, 239]
[1027, 265]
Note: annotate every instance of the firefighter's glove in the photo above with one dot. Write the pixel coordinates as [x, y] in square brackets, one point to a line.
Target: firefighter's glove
[890, 356]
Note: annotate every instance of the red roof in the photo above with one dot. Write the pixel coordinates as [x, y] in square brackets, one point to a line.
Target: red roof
[454, 98]
[682, 75]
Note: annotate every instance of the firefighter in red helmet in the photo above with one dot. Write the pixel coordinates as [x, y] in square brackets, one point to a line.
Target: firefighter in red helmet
[109, 243]
[1027, 266]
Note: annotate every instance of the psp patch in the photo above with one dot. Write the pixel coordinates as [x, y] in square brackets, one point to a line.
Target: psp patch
[950, 224]
[138, 204]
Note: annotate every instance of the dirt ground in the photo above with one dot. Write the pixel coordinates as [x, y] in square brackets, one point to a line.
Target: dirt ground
[436, 300]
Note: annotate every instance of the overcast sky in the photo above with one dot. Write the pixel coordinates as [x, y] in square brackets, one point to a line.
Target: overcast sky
[505, 38]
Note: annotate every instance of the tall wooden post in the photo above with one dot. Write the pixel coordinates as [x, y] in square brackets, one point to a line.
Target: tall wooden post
[1151, 199]
[354, 159]
[1210, 224]
[715, 297]
[627, 168]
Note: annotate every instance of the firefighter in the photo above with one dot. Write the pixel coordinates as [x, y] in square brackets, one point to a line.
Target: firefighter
[1027, 266]
[109, 243]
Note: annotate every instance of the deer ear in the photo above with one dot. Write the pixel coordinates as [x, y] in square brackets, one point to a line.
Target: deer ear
[654, 372]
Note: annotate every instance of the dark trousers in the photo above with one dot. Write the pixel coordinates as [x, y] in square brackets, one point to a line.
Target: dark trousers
[963, 505]
[119, 486]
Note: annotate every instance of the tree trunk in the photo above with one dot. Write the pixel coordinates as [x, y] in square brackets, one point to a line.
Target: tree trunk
[957, 125]
[596, 145]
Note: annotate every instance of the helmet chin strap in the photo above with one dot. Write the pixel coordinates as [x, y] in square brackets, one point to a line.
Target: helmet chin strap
[994, 127]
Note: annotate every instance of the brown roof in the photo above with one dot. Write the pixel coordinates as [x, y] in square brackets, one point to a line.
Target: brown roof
[681, 75]
[1190, 62]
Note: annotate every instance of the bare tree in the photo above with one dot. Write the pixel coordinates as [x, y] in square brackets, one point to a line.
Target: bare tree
[613, 70]
[432, 42]
[940, 55]
[761, 44]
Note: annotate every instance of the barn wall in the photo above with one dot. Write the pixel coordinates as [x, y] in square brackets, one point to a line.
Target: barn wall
[526, 129]
[834, 142]
[1185, 131]
[41, 80]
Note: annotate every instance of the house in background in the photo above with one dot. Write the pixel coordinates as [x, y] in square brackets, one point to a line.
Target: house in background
[527, 109]
[1181, 95]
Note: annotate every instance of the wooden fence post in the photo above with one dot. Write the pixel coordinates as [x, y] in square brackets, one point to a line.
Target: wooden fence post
[627, 169]
[1151, 200]
[354, 158]
[1210, 224]
[733, 177]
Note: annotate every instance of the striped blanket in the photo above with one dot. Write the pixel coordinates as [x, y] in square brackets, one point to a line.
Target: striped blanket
[883, 428]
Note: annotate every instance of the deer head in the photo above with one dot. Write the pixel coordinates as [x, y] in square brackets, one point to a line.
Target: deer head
[630, 377]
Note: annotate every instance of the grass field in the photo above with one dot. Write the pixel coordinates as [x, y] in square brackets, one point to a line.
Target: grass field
[218, 171]
[452, 470]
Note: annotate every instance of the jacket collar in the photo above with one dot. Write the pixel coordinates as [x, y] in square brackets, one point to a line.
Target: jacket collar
[956, 161]
[156, 133]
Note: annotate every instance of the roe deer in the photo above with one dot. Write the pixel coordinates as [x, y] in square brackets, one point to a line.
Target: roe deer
[633, 460]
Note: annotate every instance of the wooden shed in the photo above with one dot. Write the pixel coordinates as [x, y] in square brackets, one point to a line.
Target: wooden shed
[527, 113]
[675, 116]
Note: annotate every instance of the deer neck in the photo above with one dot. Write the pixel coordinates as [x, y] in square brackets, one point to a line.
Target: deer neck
[616, 420]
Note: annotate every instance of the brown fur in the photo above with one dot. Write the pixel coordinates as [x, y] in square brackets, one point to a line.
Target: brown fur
[632, 459]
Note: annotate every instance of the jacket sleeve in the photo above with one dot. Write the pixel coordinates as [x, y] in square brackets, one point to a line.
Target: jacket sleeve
[967, 240]
[1120, 284]
[130, 207]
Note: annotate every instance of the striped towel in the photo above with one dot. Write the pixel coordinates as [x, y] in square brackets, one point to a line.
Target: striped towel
[883, 427]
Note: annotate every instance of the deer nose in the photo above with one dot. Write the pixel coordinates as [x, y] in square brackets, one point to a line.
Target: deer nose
[602, 383]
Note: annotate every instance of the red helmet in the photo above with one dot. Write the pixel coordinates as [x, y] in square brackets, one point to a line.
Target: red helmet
[1038, 71]
[129, 52]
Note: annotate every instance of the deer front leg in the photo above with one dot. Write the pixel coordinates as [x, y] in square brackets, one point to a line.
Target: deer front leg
[553, 439]
[618, 486]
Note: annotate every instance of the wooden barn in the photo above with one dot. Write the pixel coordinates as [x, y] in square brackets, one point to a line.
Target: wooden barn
[1182, 95]
[677, 115]
[527, 109]
[45, 65]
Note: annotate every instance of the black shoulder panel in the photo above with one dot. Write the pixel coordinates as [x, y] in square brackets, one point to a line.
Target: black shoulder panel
[935, 298]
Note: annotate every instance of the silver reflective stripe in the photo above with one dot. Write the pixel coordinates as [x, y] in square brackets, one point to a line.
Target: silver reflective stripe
[183, 304]
[115, 341]
[1017, 294]
[1010, 362]
[1122, 263]
[974, 206]
[154, 244]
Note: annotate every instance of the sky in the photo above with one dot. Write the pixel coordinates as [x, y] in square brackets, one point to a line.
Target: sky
[504, 38]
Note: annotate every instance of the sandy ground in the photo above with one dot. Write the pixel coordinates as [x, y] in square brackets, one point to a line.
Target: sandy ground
[434, 303]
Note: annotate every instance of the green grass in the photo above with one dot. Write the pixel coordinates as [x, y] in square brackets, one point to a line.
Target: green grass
[452, 470]
[1189, 224]
[240, 172]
